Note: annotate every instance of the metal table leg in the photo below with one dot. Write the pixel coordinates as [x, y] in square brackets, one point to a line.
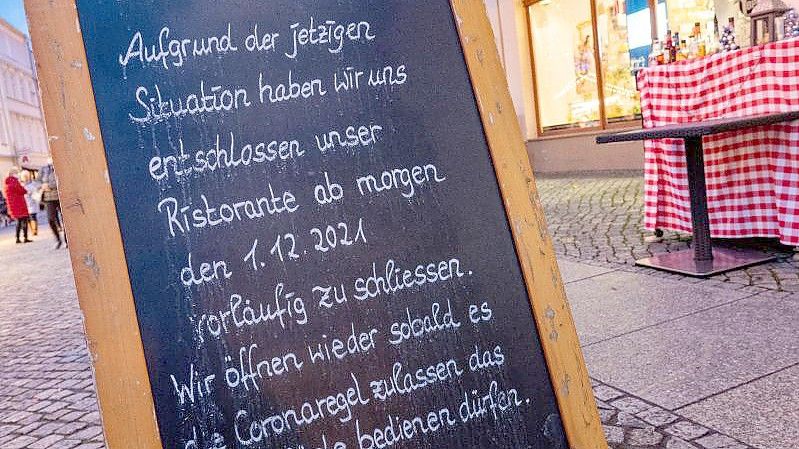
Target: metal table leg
[703, 260]
[697, 190]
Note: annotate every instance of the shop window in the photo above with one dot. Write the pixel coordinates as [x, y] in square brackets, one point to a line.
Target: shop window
[586, 53]
[566, 78]
[621, 99]
[583, 67]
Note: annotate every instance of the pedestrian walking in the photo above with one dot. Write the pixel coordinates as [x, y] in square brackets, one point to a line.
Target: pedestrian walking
[33, 199]
[17, 207]
[5, 219]
[51, 200]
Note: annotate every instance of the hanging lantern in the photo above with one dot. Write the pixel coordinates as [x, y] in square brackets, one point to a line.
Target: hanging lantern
[764, 20]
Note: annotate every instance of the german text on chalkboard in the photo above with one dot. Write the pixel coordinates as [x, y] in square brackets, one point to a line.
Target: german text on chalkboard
[316, 241]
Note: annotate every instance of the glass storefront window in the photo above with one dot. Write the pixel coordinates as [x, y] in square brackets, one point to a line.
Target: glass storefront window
[573, 88]
[621, 99]
[586, 54]
[565, 66]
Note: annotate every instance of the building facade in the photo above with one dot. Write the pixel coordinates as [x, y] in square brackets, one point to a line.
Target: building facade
[23, 139]
[570, 66]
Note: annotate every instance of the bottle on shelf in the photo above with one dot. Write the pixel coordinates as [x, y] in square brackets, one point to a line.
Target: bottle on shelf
[675, 47]
[698, 46]
[713, 37]
[656, 55]
[668, 47]
[693, 49]
[682, 51]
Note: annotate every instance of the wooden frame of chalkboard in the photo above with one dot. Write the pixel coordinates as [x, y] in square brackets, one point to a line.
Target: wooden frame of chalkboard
[99, 260]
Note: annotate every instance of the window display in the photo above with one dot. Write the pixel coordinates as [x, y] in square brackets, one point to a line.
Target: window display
[565, 68]
[621, 98]
[587, 53]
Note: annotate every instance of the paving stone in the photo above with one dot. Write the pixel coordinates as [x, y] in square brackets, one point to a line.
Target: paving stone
[91, 417]
[87, 433]
[631, 404]
[90, 446]
[54, 408]
[606, 393]
[71, 427]
[5, 439]
[65, 444]
[606, 415]
[33, 417]
[38, 405]
[14, 416]
[627, 419]
[52, 394]
[643, 437]
[5, 429]
[46, 442]
[686, 430]
[46, 429]
[72, 416]
[68, 383]
[59, 413]
[603, 405]
[30, 427]
[614, 435]
[678, 443]
[717, 441]
[658, 417]
[19, 442]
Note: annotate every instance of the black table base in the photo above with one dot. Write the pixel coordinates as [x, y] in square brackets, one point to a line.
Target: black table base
[724, 259]
[703, 260]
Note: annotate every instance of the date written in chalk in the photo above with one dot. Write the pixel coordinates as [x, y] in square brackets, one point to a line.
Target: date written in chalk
[324, 238]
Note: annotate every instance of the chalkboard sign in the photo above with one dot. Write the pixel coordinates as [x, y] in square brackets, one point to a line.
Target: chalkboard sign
[316, 242]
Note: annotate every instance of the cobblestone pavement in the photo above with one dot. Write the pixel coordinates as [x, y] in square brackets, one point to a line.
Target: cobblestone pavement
[599, 219]
[47, 395]
[632, 423]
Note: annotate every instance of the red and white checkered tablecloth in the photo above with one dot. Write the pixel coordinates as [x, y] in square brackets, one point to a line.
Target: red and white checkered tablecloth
[752, 175]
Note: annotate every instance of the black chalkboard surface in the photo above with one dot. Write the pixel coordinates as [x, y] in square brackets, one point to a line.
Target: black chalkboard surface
[316, 242]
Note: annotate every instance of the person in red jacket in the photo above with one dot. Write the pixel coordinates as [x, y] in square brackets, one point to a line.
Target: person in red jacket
[17, 206]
